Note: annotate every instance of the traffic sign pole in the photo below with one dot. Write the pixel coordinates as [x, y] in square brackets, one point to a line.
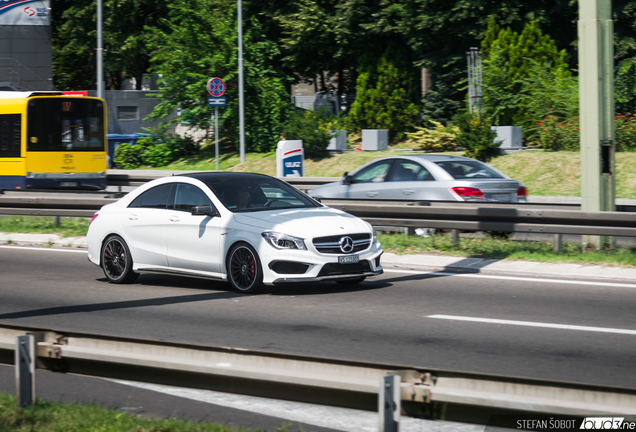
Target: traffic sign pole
[216, 87]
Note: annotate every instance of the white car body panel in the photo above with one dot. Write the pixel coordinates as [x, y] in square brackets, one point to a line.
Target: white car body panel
[178, 242]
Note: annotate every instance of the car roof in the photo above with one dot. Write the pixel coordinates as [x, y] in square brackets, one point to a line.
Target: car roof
[224, 176]
[432, 157]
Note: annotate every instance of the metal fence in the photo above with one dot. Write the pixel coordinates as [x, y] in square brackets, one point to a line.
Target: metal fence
[431, 393]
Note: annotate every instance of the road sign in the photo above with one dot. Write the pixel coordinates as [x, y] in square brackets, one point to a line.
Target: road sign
[216, 87]
[216, 101]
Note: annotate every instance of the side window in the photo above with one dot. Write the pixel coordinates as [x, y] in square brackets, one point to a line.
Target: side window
[10, 134]
[374, 173]
[157, 197]
[187, 196]
[409, 171]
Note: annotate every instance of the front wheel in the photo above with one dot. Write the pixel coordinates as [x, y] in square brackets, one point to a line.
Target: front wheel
[117, 262]
[244, 269]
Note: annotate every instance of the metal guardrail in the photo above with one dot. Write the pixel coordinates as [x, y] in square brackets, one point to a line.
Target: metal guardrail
[505, 217]
[351, 384]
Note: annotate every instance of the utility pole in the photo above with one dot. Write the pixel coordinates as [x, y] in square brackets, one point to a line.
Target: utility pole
[100, 52]
[240, 71]
[596, 99]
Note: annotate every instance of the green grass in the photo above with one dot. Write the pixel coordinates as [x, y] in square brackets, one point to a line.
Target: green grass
[66, 417]
[491, 248]
[69, 227]
[543, 173]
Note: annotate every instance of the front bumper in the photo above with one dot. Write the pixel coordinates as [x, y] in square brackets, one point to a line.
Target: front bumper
[314, 267]
[328, 277]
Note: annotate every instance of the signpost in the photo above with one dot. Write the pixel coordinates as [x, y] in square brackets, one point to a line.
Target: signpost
[216, 87]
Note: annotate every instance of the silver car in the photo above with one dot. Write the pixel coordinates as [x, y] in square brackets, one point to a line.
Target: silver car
[425, 177]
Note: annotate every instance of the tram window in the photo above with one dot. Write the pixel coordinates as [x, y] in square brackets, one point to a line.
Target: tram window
[10, 135]
[65, 124]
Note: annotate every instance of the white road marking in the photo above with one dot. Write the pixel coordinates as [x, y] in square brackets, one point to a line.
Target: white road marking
[83, 251]
[306, 414]
[535, 324]
[515, 278]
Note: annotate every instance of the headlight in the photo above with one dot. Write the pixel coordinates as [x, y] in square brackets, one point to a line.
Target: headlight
[375, 237]
[284, 241]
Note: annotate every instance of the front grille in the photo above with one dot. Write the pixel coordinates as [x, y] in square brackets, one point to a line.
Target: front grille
[331, 244]
[344, 269]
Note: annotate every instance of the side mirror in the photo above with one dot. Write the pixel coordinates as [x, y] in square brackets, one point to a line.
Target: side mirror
[347, 179]
[204, 210]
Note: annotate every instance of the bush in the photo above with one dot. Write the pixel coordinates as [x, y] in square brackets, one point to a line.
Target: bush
[156, 151]
[308, 127]
[441, 138]
[128, 156]
[625, 130]
[475, 136]
[556, 133]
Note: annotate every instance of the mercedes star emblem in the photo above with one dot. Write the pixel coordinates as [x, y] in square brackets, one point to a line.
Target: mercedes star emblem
[346, 244]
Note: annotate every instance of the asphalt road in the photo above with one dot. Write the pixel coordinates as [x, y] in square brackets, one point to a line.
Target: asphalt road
[407, 319]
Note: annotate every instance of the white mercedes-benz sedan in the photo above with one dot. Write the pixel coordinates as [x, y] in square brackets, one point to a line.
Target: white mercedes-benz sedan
[248, 229]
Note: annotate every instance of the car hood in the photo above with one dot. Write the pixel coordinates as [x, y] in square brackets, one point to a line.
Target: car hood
[317, 222]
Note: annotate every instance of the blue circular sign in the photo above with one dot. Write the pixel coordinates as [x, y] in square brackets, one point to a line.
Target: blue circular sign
[216, 87]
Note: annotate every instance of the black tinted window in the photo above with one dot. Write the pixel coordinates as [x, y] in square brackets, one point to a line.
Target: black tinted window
[157, 197]
[187, 196]
[57, 124]
[10, 135]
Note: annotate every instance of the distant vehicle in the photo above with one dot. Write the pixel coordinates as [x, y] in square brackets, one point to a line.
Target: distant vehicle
[425, 177]
[248, 229]
[52, 141]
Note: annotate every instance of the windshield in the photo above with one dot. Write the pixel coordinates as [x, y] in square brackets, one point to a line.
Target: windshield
[65, 124]
[469, 170]
[258, 194]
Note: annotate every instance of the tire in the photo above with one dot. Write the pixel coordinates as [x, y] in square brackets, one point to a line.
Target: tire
[116, 261]
[351, 282]
[244, 269]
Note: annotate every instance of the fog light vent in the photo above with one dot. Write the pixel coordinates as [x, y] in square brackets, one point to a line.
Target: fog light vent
[288, 267]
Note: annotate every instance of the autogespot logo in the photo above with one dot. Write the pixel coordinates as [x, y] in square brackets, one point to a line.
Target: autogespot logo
[346, 244]
[30, 12]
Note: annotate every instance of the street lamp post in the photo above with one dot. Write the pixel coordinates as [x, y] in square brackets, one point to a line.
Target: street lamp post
[100, 53]
[240, 71]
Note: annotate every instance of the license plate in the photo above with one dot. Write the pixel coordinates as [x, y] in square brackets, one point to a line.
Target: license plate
[348, 259]
[68, 184]
[498, 197]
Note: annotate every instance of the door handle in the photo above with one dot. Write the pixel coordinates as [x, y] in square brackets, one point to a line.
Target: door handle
[372, 194]
[133, 217]
[408, 191]
[174, 219]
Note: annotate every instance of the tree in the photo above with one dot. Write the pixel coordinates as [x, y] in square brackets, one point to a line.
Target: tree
[383, 100]
[125, 30]
[200, 41]
[515, 66]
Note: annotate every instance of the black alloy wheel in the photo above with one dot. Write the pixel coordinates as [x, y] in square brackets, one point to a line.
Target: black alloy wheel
[244, 269]
[117, 262]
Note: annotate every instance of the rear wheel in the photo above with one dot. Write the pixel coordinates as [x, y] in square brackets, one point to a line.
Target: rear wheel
[117, 262]
[355, 281]
[244, 269]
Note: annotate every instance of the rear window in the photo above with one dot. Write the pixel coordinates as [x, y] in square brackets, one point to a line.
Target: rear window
[469, 170]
